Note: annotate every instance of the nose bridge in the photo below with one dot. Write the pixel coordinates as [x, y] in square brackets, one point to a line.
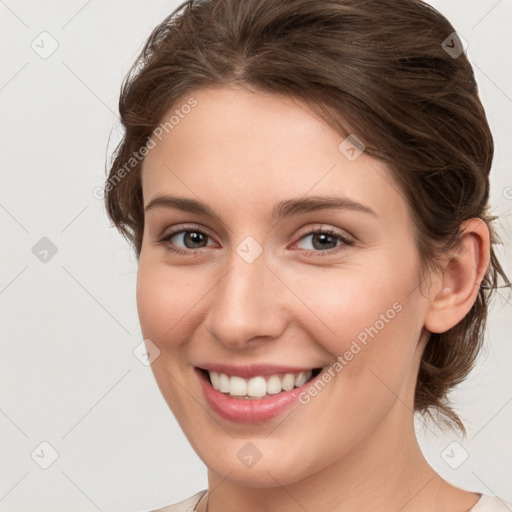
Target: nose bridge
[245, 302]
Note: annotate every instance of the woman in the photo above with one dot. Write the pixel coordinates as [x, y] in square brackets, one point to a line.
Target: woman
[306, 188]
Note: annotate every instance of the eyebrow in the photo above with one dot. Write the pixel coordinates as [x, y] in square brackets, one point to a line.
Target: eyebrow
[287, 208]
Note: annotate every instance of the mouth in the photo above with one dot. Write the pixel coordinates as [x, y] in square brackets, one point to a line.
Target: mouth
[258, 387]
[253, 394]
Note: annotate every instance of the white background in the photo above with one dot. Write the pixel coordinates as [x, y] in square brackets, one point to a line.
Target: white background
[68, 375]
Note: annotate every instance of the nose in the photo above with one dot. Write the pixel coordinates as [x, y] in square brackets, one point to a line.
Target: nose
[247, 305]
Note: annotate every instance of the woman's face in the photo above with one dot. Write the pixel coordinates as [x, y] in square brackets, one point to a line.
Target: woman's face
[257, 303]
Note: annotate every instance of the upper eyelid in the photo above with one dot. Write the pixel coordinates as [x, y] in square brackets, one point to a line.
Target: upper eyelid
[182, 229]
[346, 239]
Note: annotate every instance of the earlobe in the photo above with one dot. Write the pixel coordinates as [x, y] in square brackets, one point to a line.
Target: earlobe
[459, 283]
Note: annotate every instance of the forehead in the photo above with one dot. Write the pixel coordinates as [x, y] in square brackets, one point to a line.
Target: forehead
[238, 122]
[244, 146]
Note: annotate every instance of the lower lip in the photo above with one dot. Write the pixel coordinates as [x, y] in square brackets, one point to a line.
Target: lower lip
[243, 410]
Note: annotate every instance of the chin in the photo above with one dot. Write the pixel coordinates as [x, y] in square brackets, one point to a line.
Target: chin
[259, 462]
[261, 475]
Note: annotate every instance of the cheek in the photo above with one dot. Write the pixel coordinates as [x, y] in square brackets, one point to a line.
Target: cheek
[371, 321]
[358, 305]
[164, 298]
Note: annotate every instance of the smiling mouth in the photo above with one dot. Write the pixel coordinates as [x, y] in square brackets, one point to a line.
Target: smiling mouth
[258, 387]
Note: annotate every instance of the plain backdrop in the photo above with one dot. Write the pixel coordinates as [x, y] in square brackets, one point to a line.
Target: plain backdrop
[83, 426]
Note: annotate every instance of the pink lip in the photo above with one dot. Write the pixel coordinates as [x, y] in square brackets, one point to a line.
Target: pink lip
[240, 410]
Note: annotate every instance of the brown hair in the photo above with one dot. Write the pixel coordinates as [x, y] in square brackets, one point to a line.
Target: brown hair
[387, 68]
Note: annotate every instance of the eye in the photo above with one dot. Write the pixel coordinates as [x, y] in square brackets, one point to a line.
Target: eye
[190, 238]
[326, 241]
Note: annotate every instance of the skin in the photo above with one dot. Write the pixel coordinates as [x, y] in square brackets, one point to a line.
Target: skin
[353, 446]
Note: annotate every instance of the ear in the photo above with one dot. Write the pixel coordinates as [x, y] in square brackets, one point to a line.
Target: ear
[456, 288]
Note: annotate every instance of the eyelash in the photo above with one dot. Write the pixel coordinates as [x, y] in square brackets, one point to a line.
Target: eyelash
[346, 241]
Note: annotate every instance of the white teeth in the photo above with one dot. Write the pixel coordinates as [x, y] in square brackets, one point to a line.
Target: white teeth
[237, 386]
[288, 382]
[273, 385]
[223, 383]
[257, 387]
[302, 378]
[214, 377]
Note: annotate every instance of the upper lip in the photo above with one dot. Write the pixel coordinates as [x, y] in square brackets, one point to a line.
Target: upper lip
[253, 370]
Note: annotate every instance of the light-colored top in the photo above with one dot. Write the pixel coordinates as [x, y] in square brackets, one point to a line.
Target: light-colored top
[484, 504]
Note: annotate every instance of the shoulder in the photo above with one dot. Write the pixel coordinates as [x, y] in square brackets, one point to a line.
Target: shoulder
[491, 504]
[187, 505]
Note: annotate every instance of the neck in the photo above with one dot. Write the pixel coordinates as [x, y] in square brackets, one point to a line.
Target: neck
[387, 473]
